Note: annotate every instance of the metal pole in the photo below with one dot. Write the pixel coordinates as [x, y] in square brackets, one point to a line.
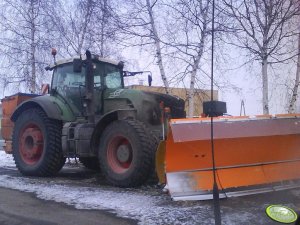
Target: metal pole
[216, 197]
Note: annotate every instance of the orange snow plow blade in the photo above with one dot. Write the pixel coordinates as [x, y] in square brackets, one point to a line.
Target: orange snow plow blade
[252, 155]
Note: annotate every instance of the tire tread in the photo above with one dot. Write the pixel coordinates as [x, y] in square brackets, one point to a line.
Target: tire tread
[146, 156]
[53, 159]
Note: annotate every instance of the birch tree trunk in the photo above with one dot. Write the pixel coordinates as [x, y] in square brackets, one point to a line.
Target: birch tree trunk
[103, 23]
[195, 67]
[295, 89]
[32, 48]
[33, 68]
[265, 88]
[158, 47]
[87, 17]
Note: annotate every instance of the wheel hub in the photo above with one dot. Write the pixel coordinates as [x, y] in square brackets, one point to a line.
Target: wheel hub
[123, 153]
[119, 154]
[31, 144]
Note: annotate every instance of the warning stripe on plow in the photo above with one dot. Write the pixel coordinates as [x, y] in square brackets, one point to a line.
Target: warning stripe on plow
[252, 155]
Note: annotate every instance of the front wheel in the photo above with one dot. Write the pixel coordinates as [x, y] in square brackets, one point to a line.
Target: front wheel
[37, 144]
[125, 153]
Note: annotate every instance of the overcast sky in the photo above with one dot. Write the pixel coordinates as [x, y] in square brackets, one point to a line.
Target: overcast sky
[245, 78]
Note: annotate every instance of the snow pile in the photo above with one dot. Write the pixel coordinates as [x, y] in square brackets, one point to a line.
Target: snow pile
[6, 160]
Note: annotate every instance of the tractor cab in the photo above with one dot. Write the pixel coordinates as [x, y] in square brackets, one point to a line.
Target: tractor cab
[69, 79]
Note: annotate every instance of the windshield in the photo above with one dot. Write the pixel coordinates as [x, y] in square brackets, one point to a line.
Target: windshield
[112, 77]
[64, 77]
[71, 85]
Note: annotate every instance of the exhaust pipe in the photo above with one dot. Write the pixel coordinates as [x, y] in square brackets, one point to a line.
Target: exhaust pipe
[89, 88]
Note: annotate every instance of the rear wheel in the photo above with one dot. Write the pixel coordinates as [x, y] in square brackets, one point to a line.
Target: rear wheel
[125, 153]
[90, 163]
[37, 144]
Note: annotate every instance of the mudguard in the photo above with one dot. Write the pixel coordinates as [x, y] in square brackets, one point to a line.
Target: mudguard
[53, 107]
[107, 119]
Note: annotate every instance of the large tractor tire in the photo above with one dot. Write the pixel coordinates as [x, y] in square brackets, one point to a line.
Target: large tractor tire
[90, 163]
[125, 153]
[153, 178]
[37, 144]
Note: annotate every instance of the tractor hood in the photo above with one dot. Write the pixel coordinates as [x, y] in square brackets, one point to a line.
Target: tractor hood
[147, 104]
[175, 103]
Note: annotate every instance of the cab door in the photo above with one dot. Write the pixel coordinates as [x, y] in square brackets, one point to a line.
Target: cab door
[70, 86]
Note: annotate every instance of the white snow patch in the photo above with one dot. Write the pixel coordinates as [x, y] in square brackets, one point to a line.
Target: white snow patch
[144, 208]
[6, 160]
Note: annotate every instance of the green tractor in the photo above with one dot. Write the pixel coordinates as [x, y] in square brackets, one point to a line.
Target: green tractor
[89, 114]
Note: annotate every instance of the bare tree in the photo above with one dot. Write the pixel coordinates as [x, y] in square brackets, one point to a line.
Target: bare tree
[24, 39]
[195, 21]
[157, 44]
[182, 38]
[88, 25]
[73, 26]
[294, 96]
[261, 28]
[189, 37]
[104, 21]
[105, 28]
[139, 25]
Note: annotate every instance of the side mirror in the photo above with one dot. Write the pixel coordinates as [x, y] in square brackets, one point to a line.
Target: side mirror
[77, 65]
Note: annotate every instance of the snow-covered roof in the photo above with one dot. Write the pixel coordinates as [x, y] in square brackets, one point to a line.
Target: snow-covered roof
[83, 57]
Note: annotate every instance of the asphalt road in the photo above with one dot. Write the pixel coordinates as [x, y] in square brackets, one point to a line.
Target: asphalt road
[20, 208]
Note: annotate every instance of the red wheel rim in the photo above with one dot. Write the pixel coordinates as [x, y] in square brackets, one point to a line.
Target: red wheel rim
[119, 154]
[31, 143]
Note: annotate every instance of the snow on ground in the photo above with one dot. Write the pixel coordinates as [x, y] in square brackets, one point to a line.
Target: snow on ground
[146, 206]
[6, 160]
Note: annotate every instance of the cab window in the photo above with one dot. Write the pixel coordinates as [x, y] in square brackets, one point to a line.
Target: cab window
[63, 77]
[112, 77]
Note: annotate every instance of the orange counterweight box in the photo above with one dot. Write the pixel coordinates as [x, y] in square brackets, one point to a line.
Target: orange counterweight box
[9, 104]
